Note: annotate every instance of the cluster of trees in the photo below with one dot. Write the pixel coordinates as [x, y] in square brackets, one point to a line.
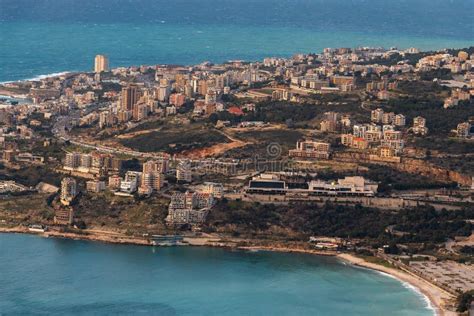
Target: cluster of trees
[439, 73]
[421, 88]
[422, 224]
[284, 112]
[464, 301]
[31, 176]
[439, 120]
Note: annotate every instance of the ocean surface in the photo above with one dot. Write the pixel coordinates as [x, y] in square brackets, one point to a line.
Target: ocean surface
[60, 277]
[40, 37]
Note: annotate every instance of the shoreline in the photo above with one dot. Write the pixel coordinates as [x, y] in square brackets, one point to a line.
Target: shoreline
[434, 296]
[57, 73]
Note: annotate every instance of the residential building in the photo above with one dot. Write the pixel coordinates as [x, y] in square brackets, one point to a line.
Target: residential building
[177, 99]
[68, 190]
[152, 180]
[464, 129]
[115, 182]
[72, 160]
[95, 186]
[388, 118]
[183, 172]
[216, 189]
[129, 97]
[376, 115]
[160, 165]
[101, 63]
[311, 150]
[189, 208]
[419, 126]
[400, 120]
[64, 216]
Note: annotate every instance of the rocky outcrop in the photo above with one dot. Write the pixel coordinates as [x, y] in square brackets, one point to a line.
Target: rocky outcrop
[422, 167]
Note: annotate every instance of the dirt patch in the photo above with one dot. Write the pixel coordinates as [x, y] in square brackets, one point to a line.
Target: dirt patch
[214, 150]
[137, 133]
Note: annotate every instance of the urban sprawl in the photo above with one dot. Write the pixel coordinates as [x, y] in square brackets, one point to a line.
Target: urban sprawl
[255, 153]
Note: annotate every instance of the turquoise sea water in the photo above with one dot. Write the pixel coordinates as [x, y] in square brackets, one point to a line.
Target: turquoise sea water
[60, 277]
[40, 37]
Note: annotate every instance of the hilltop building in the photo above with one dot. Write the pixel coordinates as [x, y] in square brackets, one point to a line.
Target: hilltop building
[309, 149]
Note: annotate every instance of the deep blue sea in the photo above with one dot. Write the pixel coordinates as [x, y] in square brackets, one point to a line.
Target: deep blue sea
[40, 37]
[60, 277]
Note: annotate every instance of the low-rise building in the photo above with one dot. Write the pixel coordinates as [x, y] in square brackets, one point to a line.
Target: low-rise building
[189, 208]
[64, 216]
[216, 189]
[183, 172]
[308, 149]
[464, 129]
[419, 126]
[114, 182]
[95, 186]
[273, 184]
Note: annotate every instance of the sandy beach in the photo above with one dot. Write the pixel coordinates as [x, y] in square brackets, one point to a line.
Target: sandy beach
[437, 296]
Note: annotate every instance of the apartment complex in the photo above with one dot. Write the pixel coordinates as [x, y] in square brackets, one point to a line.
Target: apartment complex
[309, 149]
[101, 63]
[189, 208]
[94, 162]
[68, 190]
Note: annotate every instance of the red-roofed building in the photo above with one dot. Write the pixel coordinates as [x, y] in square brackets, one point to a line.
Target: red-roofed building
[235, 111]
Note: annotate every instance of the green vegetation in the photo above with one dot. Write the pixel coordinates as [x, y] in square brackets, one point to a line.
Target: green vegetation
[105, 209]
[297, 113]
[427, 225]
[468, 250]
[281, 112]
[146, 126]
[286, 138]
[176, 139]
[440, 73]
[54, 150]
[31, 175]
[447, 145]
[420, 225]
[423, 89]
[464, 301]
[439, 120]
[375, 260]
[26, 209]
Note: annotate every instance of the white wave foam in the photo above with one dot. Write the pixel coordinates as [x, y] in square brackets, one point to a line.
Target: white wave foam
[428, 303]
[39, 77]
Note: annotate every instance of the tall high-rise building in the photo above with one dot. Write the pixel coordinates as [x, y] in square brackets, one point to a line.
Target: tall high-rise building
[129, 97]
[101, 63]
[68, 190]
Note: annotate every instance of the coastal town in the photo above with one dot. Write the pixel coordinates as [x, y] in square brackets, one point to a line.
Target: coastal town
[363, 153]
